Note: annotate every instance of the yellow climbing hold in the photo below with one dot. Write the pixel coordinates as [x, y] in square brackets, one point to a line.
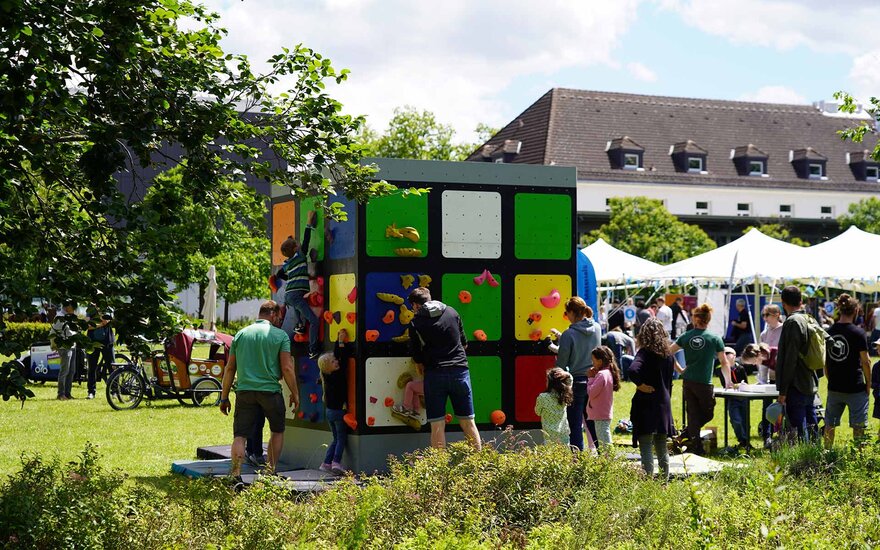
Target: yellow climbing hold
[407, 281]
[425, 280]
[408, 252]
[405, 315]
[390, 298]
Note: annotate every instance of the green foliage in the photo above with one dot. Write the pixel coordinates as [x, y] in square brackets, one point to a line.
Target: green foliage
[645, 228]
[414, 134]
[864, 214]
[777, 231]
[27, 332]
[857, 133]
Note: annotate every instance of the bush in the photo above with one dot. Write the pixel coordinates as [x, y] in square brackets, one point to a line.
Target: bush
[27, 333]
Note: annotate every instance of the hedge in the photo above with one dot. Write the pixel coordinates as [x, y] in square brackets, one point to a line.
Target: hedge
[27, 333]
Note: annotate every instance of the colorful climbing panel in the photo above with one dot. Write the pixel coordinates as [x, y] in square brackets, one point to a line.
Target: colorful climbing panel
[471, 224]
[343, 309]
[485, 373]
[540, 305]
[478, 304]
[317, 241]
[543, 228]
[283, 224]
[397, 225]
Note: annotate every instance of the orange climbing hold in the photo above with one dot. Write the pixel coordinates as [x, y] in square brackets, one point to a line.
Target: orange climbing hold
[351, 420]
[389, 317]
[351, 317]
[480, 335]
[534, 318]
[535, 335]
[371, 335]
[465, 297]
[328, 316]
[498, 417]
[313, 397]
[389, 402]
[448, 418]
[371, 420]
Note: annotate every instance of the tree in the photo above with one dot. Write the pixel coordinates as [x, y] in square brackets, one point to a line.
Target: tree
[864, 214]
[857, 133]
[777, 231]
[414, 134]
[88, 89]
[645, 228]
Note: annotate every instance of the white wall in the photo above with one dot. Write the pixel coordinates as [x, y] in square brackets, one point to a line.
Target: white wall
[188, 301]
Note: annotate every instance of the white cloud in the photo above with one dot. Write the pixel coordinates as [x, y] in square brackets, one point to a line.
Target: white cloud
[865, 75]
[453, 57]
[775, 94]
[641, 72]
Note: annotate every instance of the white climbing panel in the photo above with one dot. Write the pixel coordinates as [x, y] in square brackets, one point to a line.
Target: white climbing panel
[471, 224]
[382, 374]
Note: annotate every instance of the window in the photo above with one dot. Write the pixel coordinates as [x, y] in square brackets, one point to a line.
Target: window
[872, 173]
[785, 208]
[756, 167]
[816, 171]
[695, 164]
[631, 161]
[827, 210]
[743, 207]
[702, 205]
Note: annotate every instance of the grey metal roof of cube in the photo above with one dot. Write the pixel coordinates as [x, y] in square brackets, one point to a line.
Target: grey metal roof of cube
[567, 127]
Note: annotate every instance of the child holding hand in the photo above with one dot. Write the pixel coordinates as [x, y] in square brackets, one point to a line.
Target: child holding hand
[551, 406]
[334, 379]
[603, 379]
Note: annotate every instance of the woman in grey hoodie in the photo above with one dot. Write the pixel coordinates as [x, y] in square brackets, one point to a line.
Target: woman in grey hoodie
[575, 346]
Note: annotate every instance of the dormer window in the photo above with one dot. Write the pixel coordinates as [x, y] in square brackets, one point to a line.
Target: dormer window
[863, 166]
[808, 163]
[625, 154]
[689, 157]
[749, 161]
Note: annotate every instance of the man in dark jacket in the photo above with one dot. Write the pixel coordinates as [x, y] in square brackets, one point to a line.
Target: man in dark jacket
[438, 343]
[796, 383]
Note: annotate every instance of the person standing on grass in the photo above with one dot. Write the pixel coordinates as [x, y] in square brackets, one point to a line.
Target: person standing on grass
[438, 342]
[259, 357]
[62, 327]
[603, 379]
[551, 407]
[796, 382]
[576, 344]
[701, 349]
[664, 313]
[848, 370]
[102, 357]
[742, 327]
[651, 410]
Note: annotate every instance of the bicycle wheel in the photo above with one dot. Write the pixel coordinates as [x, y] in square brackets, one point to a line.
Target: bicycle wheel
[125, 388]
[206, 392]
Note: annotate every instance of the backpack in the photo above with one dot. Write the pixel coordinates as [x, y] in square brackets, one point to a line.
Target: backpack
[814, 358]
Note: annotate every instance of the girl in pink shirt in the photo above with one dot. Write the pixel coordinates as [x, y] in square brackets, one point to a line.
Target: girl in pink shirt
[603, 380]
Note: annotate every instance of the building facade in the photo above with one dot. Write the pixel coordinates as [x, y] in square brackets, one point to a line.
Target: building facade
[722, 165]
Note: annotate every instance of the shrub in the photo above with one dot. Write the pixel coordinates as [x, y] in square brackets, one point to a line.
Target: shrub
[27, 333]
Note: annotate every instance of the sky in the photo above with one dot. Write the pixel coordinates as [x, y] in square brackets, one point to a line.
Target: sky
[487, 61]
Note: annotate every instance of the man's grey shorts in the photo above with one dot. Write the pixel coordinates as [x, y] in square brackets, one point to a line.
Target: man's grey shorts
[251, 405]
[857, 403]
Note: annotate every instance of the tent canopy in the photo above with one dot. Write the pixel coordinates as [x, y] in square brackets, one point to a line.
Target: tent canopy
[616, 266]
[849, 260]
[752, 257]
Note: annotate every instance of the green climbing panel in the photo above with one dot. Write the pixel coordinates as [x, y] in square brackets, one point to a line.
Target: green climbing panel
[317, 240]
[484, 310]
[486, 383]
[542, 226]
[402, 211]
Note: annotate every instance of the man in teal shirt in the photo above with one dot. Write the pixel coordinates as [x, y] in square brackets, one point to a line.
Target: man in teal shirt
[260, 355]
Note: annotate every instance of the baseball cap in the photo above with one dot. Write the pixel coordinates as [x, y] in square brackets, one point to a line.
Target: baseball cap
[774, 411]
[728, 349]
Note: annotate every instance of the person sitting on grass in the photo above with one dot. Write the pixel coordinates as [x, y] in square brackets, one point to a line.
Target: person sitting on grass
[603, 379]
[334, 379]
[551, 406]
[738, 409]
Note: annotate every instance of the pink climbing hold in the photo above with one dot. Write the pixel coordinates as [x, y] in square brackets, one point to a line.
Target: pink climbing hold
[551, 300]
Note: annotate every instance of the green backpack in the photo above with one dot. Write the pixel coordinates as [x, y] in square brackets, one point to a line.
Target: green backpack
[814, 358]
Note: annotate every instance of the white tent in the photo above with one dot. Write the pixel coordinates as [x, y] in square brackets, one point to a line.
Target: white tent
[616, 266]
[752, 257]
[848, 261]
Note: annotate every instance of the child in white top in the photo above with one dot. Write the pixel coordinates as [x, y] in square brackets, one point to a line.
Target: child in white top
[551, 405]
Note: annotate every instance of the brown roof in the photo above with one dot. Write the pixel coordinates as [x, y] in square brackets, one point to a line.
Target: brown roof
[573, 127]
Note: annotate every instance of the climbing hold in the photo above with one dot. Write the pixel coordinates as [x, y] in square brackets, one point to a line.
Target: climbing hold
[304, 337]
[410, 233]
[371, 335]
[407, 281]
[534, 318]
[490, 279]
[351, 420]
[480, 335]
[353, 295]
[273, 283]
[464, 297]
[405, 315]
[301, 414]
[551, 300]
[313, 417]
[408, 252]
[389, 401]
[535, 335]
[371, 420]
[374, 399]
[390, 298]
[392, 232]
[389, 317]
[328, 316]
[337, 316]
[351, 317]
[402, 338]
[481, 278]
[448, 418]
[313, 397]
[498, 417]
[425, 280]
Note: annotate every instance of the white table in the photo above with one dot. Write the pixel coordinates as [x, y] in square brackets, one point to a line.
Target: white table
[768, 391]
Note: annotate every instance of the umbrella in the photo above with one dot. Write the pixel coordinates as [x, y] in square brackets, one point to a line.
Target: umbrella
[209, 313]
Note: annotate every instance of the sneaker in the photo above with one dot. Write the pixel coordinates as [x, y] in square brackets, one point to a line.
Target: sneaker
[326, 467]
[314, 354]
[91, 395]
[61, 398]
[299, 329]
[255, 460]
[338, 469]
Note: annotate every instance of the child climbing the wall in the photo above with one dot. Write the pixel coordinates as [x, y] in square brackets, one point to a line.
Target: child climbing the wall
[603, 379]
[413, 392]
[295, 271]
[334, 379]
[551, 406]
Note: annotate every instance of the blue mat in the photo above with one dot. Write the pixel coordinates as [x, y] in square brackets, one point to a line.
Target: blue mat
[297, 479]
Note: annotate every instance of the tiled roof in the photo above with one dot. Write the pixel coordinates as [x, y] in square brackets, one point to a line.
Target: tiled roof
[573, 127]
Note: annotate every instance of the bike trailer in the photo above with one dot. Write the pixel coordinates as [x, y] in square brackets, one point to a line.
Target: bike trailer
[185, 368]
